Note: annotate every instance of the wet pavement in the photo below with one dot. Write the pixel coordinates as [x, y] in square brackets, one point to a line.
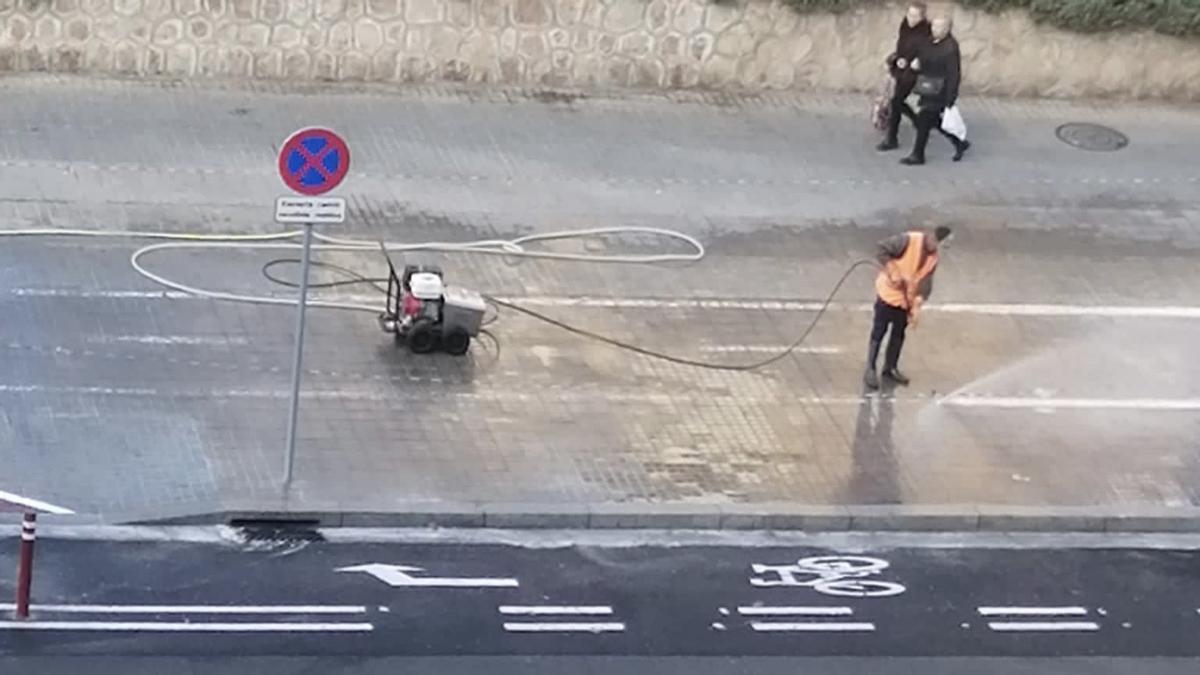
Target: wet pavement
[1054, 367]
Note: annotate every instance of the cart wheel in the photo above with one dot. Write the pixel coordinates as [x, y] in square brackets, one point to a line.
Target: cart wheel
[422, 336]
[456, 342]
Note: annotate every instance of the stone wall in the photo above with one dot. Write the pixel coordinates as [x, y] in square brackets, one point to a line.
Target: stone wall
[732, 44]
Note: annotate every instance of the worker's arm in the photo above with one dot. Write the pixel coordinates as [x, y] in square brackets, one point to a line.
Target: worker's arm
[891, 248]
[925, 287]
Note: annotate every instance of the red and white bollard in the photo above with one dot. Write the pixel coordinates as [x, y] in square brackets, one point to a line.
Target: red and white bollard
[25, 564]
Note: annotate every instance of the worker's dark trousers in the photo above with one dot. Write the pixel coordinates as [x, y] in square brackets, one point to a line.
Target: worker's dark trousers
[886, 315]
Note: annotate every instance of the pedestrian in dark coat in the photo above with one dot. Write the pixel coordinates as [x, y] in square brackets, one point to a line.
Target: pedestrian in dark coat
[914, 34]
[939, 66]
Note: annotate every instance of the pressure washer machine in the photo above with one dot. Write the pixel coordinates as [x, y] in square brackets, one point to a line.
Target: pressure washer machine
[426, 315]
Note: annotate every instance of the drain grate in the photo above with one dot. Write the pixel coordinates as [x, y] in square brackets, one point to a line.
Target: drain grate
[277, 530]
[1093, 137]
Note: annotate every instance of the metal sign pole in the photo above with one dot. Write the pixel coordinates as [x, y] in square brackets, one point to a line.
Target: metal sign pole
[293, 412]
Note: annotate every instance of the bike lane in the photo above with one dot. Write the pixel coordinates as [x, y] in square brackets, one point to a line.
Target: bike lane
[156, 598]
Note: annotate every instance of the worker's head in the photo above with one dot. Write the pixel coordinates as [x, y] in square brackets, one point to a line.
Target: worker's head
[916, 13]
[941, 27]
[940, 234]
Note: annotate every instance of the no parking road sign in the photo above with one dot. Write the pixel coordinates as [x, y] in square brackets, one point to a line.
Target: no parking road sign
[314, 161]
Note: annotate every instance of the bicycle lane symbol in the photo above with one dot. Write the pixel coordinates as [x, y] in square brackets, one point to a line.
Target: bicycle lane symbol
[842, 576]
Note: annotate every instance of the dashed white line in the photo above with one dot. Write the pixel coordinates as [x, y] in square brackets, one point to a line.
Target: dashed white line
[549, 610]
[1025, 402]
[1033, 611]
[170, 340]
[795, 611]
[814, 627]
[584, 627]
[187, 627]
[766, 349]
[1043, 626]
[195, 609]
[994, 309]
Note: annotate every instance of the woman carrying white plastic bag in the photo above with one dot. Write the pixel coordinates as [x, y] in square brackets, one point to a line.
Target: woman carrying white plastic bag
[954, 124]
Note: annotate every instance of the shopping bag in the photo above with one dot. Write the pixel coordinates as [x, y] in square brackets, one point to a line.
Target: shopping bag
[882, 106]
[954, 124]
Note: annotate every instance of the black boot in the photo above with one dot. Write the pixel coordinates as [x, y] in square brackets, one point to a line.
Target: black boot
[960, 149]
[888, 144]
[913, 160]
[870, 378]
[892, 359]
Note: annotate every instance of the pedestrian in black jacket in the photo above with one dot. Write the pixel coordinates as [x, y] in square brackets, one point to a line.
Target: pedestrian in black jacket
[939, 67]
[914, 34]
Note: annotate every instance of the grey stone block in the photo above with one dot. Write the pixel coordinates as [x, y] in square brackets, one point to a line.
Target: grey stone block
[1154, 519]
[915, 518]
[656, 516]
[428, 514]
[784, 516]
[997, 518]
[536, 516]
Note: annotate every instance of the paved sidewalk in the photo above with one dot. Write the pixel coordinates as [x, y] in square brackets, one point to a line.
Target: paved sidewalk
[1055, 374]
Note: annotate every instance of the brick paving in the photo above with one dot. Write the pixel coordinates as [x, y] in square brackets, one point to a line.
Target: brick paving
[118, 402]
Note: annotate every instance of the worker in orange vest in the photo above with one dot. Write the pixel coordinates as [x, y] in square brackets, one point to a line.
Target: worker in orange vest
[903, 285]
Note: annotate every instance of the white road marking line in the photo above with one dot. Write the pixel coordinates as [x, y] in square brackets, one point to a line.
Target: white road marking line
[35, 504]
[1033, 611]
[813, 627]
[196, 609]
[766, 349]
[110, 295]
[997, 309]
[185, 627]
[961, 401]
[169, 340]
[1024, 402]
[994, 309]
[795, 611]
[547, 610]
[1043, 626]
[612, 627]
[360, 395]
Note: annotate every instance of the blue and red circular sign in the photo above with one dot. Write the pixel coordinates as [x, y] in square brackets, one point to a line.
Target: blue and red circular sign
[314, 161]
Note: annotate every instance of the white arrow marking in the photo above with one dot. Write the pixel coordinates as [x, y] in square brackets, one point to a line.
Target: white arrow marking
[397, 575]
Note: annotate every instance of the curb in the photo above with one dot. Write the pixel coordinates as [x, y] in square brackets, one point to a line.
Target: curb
[682, 516]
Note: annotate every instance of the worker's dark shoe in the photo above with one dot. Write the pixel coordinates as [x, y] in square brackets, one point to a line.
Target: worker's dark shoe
[887, 145]
[870, 379]
[912, 160]
[896, 376]
[960, 149]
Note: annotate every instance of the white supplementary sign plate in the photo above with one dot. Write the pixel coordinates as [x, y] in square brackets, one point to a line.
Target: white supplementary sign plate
[310, 210]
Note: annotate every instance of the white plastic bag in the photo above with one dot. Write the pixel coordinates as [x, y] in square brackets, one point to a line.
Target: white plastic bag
[954, 124]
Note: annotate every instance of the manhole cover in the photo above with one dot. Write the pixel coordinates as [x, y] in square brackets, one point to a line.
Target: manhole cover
[1094, 137]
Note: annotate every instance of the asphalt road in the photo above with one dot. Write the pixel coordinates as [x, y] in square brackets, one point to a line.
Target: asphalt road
[601, 666]
[273, 598]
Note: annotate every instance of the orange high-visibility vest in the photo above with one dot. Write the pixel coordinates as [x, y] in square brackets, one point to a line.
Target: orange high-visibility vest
[909, 268]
